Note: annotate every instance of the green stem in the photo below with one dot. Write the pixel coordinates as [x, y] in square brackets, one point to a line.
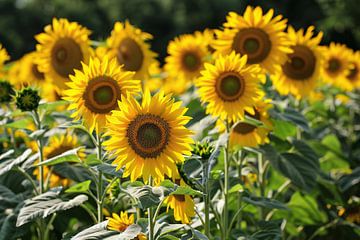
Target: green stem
[91, 214]
[226, 184]
[41, 151]
[262, 173]
[48, 227]
[217, 217]
[206, 199]
[99, 201]
[240, 165]
[150, 218]
[157, 211]
[23, 172]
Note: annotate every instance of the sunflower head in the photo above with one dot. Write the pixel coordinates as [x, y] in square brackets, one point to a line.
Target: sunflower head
[120, 222]
[183, 205]
[128, 44]
[6, 92]
[229, 87]
[95, 90]
[27, 99]
[203, 149]
[150, 138]
[61, 49]
[257, 35]
[187, 55]
[301, 72]
[353, 76]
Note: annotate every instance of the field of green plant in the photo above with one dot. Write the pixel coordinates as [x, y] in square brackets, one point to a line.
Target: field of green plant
[247, 131]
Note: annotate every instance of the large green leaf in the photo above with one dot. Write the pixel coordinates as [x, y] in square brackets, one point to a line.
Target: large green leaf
[68, 156]
[9, 164]
[265, 202]
[96, 232]
[82, 187]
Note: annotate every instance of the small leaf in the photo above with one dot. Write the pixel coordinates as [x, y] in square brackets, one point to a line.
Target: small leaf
[68, 156]
[109, 169]
[80, 187]
[236, 188]
[185, 190]
[23, 123]
[265, 202]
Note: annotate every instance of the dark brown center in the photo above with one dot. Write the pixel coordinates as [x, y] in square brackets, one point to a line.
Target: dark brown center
[230, 86]
[191, 61]
[353, 73]
[245, 128]
[334, 65]
[130, 55]
[66, 56]
[101, 94]
[148, 135]
[37, 74]
[301, 63]
[253, 42]
[59, 150]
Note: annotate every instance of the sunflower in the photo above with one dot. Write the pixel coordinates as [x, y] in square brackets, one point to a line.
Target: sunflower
[57, 145]
[336, 65]
[128, 44]
[301, 72]
[247, 135]
[258, 35]
[353, 76]
[229, 87]
[121, 222]
[183, 205]
[62, 48]
[156, 79]
[149, 139]
[176, 85]
[187, 55]
[95, 90]
[207, 36]
[3, 58]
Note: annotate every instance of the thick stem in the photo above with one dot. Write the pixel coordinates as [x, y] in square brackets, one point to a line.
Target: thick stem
[206, 199]
[151, 221]
[226, 184]
[41, 151]
[100, 182]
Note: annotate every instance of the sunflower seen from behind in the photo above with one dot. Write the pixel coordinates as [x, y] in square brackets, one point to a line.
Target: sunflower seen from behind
[61, 48]
[244, 134]
[187, 55]
[150, 138]
[129, 45]
[94, 91]
[229, 87]
[336, 65]
[182, 205]
[301, 72]
[258, 35]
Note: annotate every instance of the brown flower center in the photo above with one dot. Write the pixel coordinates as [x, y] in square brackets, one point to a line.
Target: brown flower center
[191, 61]
[148, 135]
[230, 86]
[301, 63]
[66, 56]
[334, 65]
[101, 94]
[245, 128]
[59, 150]
[253, 42]
[38, 75]
[130, 54]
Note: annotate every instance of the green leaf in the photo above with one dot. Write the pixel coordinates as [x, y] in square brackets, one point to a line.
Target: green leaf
[186, 190]
[236, 188]
[92, 160]
[283, 129]
[52, 106]
[269, 230]
[45, 204]
[68, 156]
[23, 123]
[80, 187]
[9, 164]
[130, 233]
[265, 202]
[164, 228]
[98, 231]
[332, 143]
[296, 117]
[109, 169]
[350, 180]
[146, 196]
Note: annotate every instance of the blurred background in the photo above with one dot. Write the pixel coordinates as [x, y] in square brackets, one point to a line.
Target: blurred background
[20, 20]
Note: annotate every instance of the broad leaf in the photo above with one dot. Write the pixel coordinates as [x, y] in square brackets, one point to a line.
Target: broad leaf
[96, 232]
[80, 187]
[265, 202]
[9, 164]
[68, 156]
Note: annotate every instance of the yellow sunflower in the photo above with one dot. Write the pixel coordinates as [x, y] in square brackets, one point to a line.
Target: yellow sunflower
[183, 205]
[207, 36]
[301, 72]
[229, 87]
[258, 35]
[187, 55]
[128, 44]
[56, 146]
[3, 58]
[121, 222]
[95, 90]
[149, 139]
[156, 79]
[247, 135]
[62, 48]
[353, 76]
[176, 85]
[336, 65]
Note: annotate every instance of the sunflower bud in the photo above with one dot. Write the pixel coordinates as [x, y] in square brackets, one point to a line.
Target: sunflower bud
[6, 92]
[27, 99]
[203, 149]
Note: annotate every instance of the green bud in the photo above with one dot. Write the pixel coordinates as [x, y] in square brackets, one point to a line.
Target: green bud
[203, 149]
[6, 92]
[27, 99]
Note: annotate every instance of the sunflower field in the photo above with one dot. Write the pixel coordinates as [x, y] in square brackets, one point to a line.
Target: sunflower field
[250, 130]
